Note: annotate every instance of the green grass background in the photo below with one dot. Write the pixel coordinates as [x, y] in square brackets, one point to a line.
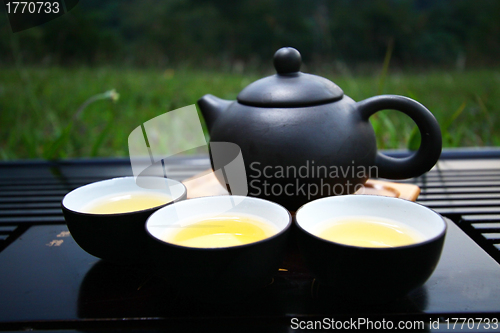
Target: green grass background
[38, 104]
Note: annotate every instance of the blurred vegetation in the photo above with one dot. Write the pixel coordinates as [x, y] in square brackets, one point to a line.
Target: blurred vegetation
[39, 113]
[162, 55]
[245, 33]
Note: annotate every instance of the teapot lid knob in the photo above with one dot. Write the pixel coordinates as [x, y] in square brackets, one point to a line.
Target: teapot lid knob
[287, 60]
[290, 87]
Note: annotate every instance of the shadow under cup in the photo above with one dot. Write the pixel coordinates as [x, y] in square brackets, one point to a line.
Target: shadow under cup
[370, 274]
[217, 274]
[119, 238]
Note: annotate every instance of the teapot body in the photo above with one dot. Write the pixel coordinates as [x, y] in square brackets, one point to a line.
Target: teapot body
[302, 139]
[295, 155]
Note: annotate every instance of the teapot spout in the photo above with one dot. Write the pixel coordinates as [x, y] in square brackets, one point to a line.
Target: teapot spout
[211, 107]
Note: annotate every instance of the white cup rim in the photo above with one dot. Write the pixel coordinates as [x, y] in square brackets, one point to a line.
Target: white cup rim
[435, 231]
[169, 209]
[73, 202]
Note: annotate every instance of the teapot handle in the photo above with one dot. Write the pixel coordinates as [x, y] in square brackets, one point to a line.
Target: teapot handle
[430, 147]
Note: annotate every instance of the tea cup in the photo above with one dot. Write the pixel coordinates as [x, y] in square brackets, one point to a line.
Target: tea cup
[365, 273]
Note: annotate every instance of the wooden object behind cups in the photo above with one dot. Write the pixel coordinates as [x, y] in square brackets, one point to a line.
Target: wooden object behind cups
[206, 184]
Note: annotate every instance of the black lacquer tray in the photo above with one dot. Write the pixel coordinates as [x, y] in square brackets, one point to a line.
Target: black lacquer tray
[49, 282]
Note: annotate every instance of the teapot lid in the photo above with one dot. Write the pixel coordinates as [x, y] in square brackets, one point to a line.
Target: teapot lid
[289, 87]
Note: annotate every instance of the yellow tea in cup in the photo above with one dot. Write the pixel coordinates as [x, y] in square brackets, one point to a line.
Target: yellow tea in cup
[126, 202]
[367, 231]
[221, 231]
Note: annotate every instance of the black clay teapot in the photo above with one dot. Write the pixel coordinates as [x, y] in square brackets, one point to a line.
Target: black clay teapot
[301, 138]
